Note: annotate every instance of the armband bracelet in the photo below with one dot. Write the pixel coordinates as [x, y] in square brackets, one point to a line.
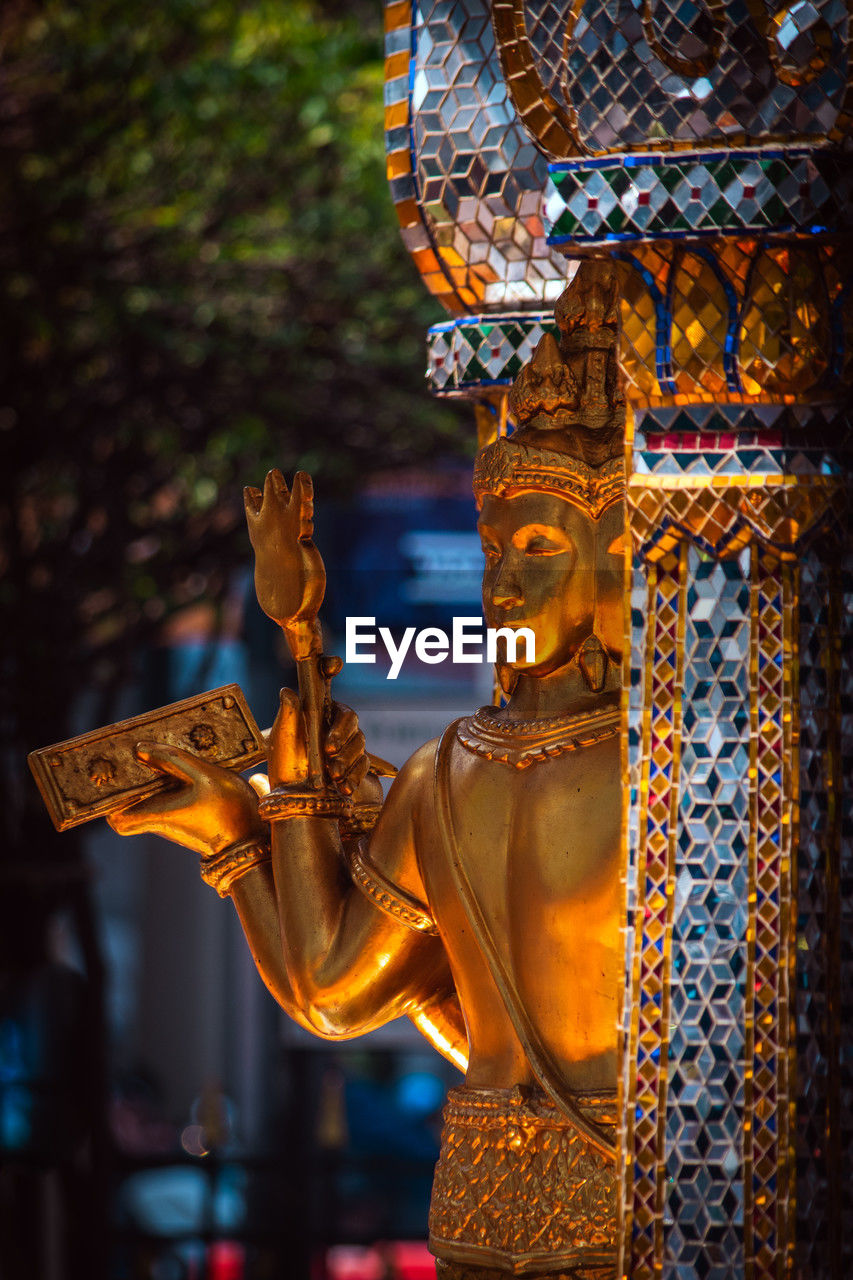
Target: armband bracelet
[284, 803]
[361, 819]
[388, 897]
[222, 870]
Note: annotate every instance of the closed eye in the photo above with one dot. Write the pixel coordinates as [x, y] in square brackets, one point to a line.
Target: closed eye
[542, 547]
[541, 540]
[489, 541]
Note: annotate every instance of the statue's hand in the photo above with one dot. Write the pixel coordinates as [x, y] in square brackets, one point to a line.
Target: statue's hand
[210, 810]
[290, 579]
[343, 745]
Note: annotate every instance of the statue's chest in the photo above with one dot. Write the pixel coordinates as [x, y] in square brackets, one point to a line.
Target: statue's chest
[538, 840]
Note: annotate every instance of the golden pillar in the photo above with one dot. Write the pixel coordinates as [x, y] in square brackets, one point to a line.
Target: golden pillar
[705, 147]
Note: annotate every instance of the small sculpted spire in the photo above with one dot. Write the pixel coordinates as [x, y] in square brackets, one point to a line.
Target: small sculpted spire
[568, 405]
[545, 394]
[569, 396]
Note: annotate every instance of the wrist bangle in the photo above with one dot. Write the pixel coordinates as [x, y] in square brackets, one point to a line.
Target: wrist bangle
[286, 803]
[222, 870]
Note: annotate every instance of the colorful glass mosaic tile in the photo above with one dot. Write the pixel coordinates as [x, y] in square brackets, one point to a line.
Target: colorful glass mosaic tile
[713, 442]
[734, 321]
[483, 351]
[841, 799]
[597, 77]
[724, 514]
[650, 1012]
[646, 196]
[821, 1137]
[749, 975]
[685, 1173]
[700, 144]
[467, 182]
[703, 1208]
[769, 1033]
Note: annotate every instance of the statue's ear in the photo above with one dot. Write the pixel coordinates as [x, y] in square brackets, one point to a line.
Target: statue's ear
[507, 677]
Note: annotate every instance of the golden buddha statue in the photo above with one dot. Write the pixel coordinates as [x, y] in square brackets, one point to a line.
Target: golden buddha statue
[482, 897]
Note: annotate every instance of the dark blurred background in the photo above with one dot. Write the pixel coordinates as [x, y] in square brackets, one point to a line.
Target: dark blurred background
[201, 278]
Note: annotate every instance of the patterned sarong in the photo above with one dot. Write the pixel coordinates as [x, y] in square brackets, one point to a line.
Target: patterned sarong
[520, 1191]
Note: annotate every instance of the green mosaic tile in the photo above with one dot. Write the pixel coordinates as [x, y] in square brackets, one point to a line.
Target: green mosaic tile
[696, 193]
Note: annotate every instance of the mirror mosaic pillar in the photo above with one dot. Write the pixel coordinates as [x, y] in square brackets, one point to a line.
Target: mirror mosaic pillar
[705, 146]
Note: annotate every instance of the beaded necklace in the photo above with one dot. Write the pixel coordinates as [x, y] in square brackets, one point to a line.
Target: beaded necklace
[521, 743]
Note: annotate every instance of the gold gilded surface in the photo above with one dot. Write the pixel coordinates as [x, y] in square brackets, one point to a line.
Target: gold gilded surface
[99, 772]
[500, 1150]
[388, 897]
[512, 470]
[740, 322]
[462, 1271]
[729, 512]
[524, 743]
[484, 902]
[221, 871]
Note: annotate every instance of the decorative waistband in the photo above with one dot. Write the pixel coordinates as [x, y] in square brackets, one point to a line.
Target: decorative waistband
[465, 1103]
[518, 1187]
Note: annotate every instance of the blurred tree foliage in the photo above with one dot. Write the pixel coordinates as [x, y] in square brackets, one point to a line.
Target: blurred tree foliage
[201, 278]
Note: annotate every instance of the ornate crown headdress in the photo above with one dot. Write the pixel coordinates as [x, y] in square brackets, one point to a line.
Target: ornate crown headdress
[568, 404]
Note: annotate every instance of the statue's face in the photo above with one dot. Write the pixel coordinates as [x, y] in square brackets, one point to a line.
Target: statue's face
[552, 568]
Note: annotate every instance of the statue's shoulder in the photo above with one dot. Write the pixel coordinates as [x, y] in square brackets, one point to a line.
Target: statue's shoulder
[410, 804]
[413, 784]
[408, 800]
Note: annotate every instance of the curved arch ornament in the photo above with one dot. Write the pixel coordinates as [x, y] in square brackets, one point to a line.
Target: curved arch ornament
[552, 125]
[702, 57]
[645, 77]
[468, 184]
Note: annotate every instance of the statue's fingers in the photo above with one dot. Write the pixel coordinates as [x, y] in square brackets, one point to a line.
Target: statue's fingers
[343, 727]
[252, 499]
[151, 814]
[275, 487]
[303, 497]
[279, 485]
[125, 822]
[354, 776]
[287, 738]
[289, 712]
[340, 763]
[382, 768]
[172, 760]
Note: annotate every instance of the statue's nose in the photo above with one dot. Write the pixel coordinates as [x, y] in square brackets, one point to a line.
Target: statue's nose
[506, 589]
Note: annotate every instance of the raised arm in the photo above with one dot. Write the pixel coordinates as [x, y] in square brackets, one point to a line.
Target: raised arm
[352, 965]
[333, 954]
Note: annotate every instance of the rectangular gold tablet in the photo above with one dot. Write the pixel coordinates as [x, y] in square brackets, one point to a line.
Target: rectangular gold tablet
[98, 772]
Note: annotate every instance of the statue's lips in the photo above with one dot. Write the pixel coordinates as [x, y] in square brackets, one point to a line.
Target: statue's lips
[513, 624]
